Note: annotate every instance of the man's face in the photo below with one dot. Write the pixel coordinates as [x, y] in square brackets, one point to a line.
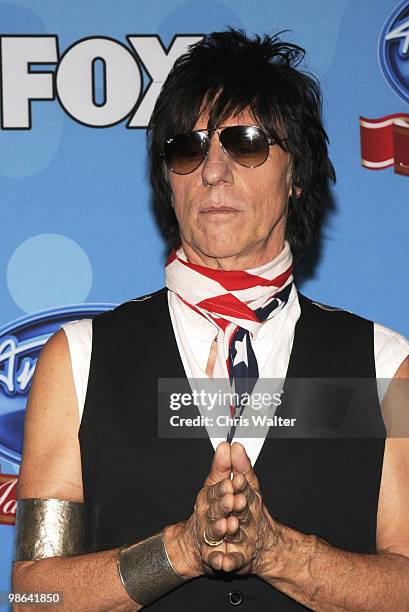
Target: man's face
[230, 216]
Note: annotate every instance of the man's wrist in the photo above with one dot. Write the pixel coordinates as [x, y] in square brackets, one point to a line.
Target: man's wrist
[285, 555]
[182, 548]
[146, 571]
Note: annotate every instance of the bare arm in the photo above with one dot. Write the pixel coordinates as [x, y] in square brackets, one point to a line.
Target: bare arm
[87, 582]
[323, 577]
[51, 468]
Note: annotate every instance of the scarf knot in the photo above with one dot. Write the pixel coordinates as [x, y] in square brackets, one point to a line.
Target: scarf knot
[237, 302]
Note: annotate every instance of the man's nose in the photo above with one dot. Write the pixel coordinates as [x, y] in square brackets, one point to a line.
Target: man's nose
[217, 165]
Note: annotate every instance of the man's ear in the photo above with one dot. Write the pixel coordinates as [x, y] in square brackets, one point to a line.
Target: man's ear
[294, 191]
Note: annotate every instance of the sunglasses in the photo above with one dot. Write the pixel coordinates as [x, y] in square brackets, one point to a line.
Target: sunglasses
[248, 145]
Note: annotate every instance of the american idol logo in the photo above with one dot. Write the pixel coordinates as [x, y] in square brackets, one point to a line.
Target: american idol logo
[20, 345]
[394, 50]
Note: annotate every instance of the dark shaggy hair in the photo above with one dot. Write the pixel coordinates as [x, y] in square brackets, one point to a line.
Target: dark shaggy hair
[226, 73]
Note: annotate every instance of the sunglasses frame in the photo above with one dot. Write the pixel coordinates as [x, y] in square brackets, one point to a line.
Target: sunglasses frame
[209, 133]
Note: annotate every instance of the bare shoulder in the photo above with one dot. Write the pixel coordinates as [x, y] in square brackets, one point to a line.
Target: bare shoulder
[393, 525]
[51, 465]
[403, 370]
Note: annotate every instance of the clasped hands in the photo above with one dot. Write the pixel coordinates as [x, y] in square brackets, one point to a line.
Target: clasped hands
[230, 528]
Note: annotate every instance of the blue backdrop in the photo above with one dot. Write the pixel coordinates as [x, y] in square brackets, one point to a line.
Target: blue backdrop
[75, 215]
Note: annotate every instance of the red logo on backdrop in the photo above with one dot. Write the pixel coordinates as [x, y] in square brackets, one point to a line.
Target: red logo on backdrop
[8, 503]
[385, 142]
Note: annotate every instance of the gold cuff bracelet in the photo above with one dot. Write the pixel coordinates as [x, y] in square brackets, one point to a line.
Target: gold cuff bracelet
[145, 570]
[48, 528]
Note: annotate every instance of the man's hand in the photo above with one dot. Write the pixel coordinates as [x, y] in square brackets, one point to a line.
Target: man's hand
[257, 531]
[184, 541]
[227, 510]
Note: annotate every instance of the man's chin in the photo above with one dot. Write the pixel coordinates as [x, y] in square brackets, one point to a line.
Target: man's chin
[211, 248]
[216, 252]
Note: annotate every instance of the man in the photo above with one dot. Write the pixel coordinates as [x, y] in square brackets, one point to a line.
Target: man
[239, 166]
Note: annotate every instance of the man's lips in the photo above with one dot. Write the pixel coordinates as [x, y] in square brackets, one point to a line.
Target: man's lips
[218, 209]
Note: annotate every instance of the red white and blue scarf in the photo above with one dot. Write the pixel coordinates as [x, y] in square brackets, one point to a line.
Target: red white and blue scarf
[237, 302]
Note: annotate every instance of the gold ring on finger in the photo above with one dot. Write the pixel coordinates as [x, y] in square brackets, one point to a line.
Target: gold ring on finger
[212, 542]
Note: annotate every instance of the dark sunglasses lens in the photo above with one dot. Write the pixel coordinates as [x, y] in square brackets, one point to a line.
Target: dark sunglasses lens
[185, 152]
[247, 145]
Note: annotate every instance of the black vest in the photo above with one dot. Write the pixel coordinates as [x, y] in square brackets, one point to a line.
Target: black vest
[135, 484]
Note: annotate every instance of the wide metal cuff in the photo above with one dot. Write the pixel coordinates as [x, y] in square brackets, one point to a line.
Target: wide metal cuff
[145, 570]
[48, 528]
